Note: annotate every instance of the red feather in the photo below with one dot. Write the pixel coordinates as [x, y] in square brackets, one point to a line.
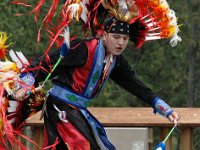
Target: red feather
[21, 3]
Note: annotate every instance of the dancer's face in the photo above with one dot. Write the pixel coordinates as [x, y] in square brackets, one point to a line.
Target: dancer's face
[115, 43]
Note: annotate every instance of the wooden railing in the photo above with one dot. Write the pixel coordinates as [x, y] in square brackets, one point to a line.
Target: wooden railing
[136, 117]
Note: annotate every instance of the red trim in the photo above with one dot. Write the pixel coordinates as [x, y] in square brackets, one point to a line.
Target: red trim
[80, 75]
[72, 137]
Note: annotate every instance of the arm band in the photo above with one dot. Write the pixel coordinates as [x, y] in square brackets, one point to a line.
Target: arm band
[28, 79]
[161, 107]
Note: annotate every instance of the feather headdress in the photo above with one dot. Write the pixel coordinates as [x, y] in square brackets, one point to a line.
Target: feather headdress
[3, 46]
[149, 19]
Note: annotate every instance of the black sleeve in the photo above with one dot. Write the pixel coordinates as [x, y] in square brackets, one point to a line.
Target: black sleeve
[125, 77]
[75, 57]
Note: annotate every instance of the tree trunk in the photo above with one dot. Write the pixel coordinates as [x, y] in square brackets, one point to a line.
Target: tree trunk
[191, 69]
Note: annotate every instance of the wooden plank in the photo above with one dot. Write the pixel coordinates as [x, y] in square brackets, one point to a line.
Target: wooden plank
[137, 117]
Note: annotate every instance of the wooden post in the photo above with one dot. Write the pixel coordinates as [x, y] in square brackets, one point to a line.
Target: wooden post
[150, 137]
[186, 138]
[38, 136]
[163, 134]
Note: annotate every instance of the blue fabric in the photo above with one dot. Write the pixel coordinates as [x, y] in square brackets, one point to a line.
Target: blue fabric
[160, 146]
[25, 74]
[28, 79]
[64, 50]
[98, 130]
[97, 69]
[65, 95]
[161, 107]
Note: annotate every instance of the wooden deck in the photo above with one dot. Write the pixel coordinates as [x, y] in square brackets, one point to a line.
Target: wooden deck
[137, 117]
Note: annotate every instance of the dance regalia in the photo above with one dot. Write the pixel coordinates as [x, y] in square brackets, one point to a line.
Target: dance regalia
[81, 80]
[78, 79]
[14, 112]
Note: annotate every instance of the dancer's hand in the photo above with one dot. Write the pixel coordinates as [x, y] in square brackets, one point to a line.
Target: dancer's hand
[174, 117]
[21, 94]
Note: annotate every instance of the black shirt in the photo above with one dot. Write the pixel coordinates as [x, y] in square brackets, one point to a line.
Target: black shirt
[76, 57]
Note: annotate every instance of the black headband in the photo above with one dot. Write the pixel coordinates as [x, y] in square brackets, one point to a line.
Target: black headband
[115, 26]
